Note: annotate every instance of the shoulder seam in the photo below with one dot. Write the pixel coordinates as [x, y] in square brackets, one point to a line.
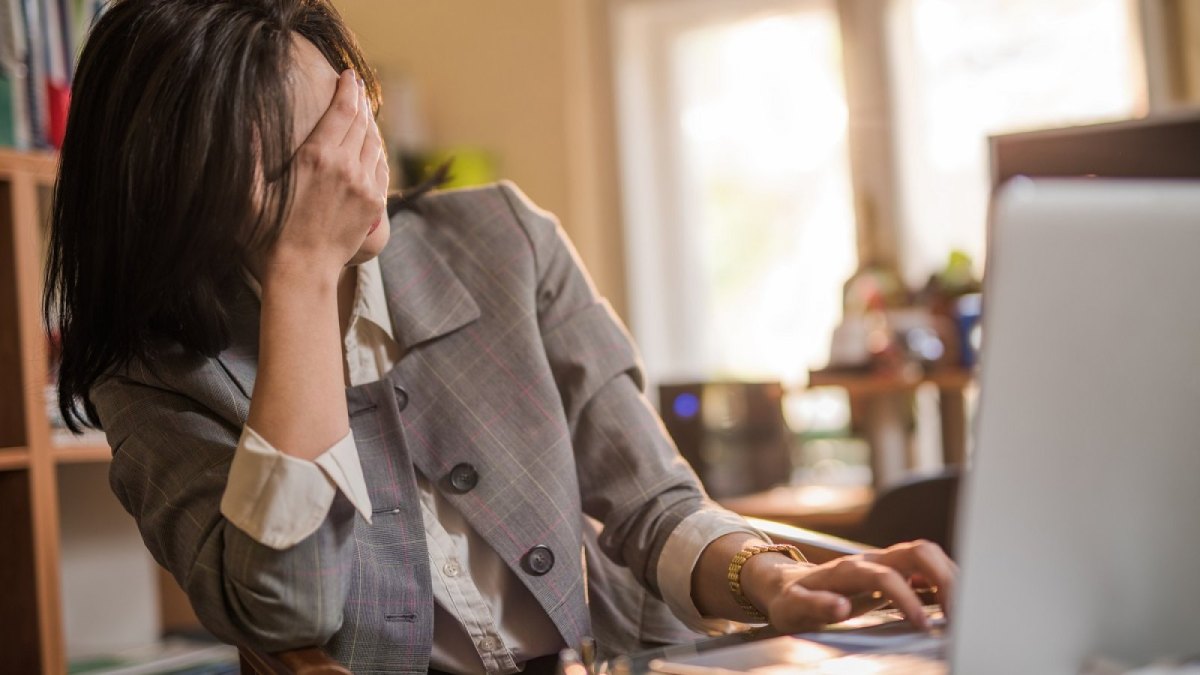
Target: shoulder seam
[505, 193]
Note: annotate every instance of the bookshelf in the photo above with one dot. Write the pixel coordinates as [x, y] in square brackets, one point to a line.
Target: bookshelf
[28, 496]
[60, 526]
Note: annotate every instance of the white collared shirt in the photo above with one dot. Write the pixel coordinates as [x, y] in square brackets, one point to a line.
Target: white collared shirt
[487, 620]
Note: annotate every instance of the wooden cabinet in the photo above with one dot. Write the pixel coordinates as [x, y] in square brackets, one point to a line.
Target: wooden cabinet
[54, 496]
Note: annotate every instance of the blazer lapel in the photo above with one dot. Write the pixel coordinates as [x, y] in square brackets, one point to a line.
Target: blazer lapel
[424, 296]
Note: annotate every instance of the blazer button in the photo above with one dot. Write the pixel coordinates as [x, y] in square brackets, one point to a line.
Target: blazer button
[538, 561]
[401, 398]
[463, 477]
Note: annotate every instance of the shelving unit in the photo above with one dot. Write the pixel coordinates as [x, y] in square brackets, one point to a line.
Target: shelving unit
[59, 523]
[30, 609]
[13, 458]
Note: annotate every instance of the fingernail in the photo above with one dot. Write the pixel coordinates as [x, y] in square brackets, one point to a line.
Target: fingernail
[841, 609]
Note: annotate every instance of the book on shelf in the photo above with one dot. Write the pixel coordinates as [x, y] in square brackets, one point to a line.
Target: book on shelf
[14, 123]
[39, 43]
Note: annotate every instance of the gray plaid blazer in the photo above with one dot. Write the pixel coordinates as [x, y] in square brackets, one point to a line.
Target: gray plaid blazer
[514, 370]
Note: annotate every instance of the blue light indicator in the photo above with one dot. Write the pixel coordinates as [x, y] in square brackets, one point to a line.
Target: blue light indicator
[686, 406]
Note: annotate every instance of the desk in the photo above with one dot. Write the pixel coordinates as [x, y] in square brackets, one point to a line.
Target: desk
[886, 432]
[836, 510]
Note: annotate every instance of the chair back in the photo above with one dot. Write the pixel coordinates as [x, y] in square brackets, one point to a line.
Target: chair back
[921, 508]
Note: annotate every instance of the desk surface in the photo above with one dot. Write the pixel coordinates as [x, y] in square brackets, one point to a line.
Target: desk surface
[839, 510]
[877, 642]
[872, 382]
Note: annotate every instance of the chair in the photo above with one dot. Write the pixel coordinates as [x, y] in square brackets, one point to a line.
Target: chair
[921, 508]
[815, 546]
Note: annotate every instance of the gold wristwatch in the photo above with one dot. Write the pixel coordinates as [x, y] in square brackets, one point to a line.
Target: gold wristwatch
[735, 573]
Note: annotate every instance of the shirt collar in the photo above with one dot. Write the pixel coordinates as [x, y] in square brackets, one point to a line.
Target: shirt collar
[370, 301]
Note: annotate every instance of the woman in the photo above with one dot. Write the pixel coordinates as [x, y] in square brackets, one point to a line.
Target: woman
[416, 439]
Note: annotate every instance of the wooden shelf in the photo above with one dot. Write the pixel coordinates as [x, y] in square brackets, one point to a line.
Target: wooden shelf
[82, 453]
[862, 383]
[14, 458]
[42, 166]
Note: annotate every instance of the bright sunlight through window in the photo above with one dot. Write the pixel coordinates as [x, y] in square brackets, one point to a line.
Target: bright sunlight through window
[965, 70]
[765, 180]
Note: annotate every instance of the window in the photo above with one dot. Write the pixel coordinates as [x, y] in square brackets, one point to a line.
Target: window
[743, 236]
[965, 70]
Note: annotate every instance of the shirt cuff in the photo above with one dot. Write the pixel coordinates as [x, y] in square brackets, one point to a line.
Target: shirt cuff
[278, 500]
[680, 555]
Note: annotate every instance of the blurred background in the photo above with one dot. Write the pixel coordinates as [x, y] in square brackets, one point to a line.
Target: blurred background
[785, 200]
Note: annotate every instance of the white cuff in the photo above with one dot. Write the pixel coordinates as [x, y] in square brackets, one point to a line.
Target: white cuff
[341, 465]
[278, 500]
[678, 560]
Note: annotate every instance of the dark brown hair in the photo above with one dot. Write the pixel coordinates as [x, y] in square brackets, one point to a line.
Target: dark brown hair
[179, 109]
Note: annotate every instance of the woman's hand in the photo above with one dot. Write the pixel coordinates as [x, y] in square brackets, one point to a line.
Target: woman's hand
[299, 402]
[797, 598]
[340, 187]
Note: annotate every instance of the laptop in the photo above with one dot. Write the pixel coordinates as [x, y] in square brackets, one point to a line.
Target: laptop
[1079, 523]
[1080, 528]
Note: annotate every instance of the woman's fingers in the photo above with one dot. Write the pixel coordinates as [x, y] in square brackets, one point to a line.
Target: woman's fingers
[382, 171]
[926, 561]
[894, 587]
[838, 590]
[800, 609]
[938, 570]
[357, 132]
[342, 111]
[865, 584]
[371, 141]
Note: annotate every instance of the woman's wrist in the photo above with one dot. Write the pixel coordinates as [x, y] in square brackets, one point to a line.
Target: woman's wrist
[766, 575]
[298, 274]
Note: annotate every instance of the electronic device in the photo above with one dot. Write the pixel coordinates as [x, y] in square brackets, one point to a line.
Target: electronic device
[732, 433]
[1078, 532]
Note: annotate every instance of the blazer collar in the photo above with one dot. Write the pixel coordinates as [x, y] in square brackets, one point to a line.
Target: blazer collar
[424, 296]
[425, 299]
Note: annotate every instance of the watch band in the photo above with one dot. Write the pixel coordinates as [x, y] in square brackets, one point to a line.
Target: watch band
[735, 573]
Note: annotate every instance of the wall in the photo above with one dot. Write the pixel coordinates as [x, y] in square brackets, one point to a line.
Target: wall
[1189, 26]
[527, 81]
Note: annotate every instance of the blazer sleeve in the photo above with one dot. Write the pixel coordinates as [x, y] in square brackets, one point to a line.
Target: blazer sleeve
[631, 477]
[170, 464]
